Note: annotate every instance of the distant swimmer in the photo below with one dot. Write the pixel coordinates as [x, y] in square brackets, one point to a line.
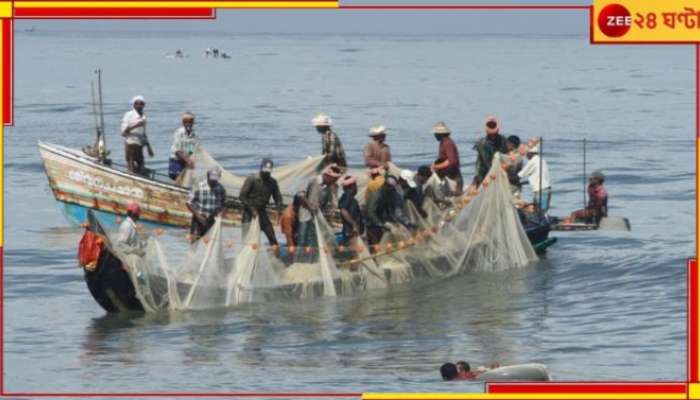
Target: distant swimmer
[178, 54]
[462, 371]
[224, 55]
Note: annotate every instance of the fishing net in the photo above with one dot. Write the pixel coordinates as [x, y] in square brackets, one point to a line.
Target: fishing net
[478, 232]
[291, 178]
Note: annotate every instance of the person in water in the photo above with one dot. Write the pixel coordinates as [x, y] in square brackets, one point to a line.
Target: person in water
[464, 371]
[597, 207]
[129, 239]
[133, 129]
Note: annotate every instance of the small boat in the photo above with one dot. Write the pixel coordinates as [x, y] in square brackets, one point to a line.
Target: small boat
[605, 223]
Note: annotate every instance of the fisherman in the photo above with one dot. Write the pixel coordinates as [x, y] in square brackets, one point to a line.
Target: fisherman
[431, 189]
[350, 212]
[385, 207]
[514, 163]
[133, 129]
[255, 195]
[185, 141]
[376, 152]
[321, 195]
[487, 147]
[331, 147]
[289, 220]
[206, 201]
[128, 239]
[540, 189]
[597, 207]
[447, 162]
[412, 192]
[375, 183]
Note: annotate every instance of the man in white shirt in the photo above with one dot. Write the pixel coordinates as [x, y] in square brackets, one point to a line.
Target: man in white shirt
[133, 129]
[128, 239]
[184, 143]
[531, 171]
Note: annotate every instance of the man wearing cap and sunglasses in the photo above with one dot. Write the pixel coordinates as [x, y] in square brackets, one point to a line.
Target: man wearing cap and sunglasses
[255, 196]
[206, 201]
[133, 129]
[184, 143]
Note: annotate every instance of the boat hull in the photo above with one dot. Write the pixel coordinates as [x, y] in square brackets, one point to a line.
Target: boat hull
[80, 183]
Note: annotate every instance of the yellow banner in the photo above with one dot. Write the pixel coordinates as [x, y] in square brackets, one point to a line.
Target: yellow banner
[645, 21]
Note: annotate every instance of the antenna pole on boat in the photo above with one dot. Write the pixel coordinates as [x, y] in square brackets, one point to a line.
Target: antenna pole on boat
[540, 195]
[101, 144]
[584, 173]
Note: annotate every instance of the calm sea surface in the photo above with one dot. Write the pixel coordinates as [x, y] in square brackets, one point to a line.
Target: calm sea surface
[601, 306]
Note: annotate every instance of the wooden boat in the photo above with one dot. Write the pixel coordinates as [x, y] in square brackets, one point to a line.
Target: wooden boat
[80, 182]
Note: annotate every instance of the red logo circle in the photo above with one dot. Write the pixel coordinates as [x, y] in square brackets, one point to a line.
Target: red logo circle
[614, 20]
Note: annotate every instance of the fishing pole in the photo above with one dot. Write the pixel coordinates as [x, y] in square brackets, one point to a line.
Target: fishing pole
[584, 173]
[541, 188]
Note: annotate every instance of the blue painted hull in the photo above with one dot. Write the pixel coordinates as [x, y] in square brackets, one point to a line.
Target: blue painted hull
[77, 215]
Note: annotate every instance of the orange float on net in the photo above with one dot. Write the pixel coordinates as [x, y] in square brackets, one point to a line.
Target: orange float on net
[401, 244]
[205, 240]
[376, 248]
[254, 246]
[493, 177]
[435, 229]
[326, 250]
[341, 249]
[359, 248]
[389, 246]
[485, 184]
[275, 248]
[292, 249]
[308, 250]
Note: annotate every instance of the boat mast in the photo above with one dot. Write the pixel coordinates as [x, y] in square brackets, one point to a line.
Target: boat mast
[101, 144]
[584, 173]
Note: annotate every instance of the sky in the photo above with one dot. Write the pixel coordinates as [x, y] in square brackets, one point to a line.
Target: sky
[452, 22]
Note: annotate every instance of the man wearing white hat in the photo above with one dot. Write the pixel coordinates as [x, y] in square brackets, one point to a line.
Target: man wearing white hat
[376, 152]
[184, 144]
[133, 129]
[206, 201]
[331, 147]
[447, 164]
[531, 171]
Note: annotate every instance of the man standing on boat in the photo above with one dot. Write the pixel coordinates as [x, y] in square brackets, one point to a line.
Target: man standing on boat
[184, 143]
[255, 195]
[487, 147]
[376, 152]
[133, 129]
[538, 179]
[206, 202]
[447, 163]
[331, 147]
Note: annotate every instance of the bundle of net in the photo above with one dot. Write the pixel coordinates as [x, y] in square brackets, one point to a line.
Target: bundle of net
[231, 266]
[291, 178]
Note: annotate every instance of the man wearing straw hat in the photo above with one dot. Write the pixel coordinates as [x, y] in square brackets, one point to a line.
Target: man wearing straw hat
[133, 129]
[331, 147]
[184, 143]
[447, 163]
[487, 147]
[376, 152]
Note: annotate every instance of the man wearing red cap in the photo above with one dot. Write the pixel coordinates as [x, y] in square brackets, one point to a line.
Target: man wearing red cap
[487, 146]
[128, 238]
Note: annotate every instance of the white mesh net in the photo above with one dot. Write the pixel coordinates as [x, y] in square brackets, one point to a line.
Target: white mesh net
[480, 232]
